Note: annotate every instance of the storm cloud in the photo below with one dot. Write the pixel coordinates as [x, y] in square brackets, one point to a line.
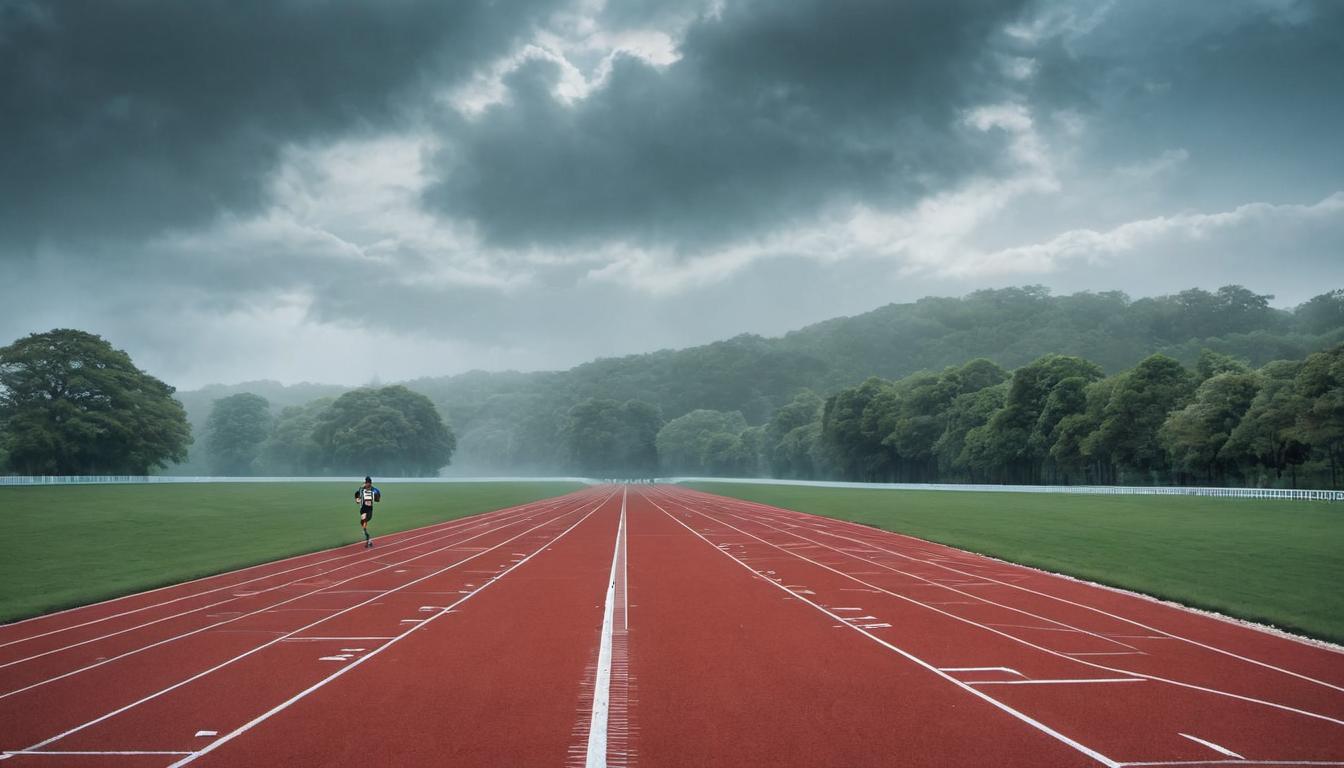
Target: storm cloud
[243, 190]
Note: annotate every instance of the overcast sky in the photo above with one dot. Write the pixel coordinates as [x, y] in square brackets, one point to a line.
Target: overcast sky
[320, 191]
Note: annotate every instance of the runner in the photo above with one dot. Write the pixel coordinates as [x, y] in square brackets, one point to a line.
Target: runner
[366, 495]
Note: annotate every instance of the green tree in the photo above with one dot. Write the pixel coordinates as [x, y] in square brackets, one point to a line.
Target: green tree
[1322, 314]
[234, 433]
[967, 413]
[291, 449]
[1194, 436]
[1320, 421]
[70, 404]
[1019, 436]
[1139, 406]
[790, 436]
[1267, 435]
[702, 442]
[387, 431]
[608, 438]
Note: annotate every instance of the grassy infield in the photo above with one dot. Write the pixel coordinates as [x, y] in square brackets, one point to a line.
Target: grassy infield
[1280, 563]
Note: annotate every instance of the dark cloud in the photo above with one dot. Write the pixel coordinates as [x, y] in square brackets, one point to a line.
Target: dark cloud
[1249, 89]
[774, 109]
[122, 117]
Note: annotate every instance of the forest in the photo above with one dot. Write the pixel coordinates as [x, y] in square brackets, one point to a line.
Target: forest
[1009, 385]
[1006, 385]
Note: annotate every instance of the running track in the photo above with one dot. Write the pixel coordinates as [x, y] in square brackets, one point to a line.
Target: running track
[656, 626]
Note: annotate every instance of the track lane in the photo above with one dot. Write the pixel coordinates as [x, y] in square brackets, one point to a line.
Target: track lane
[40, 712]
[498, 681]
[1138, 616]
[101, 638]
[733, 670]
[21, 638]
[1012, 656]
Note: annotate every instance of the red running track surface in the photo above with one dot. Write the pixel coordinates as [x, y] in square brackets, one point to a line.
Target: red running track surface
[656, 626]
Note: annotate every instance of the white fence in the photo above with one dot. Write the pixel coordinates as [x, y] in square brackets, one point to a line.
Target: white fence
[1108, 490]
[123, 479]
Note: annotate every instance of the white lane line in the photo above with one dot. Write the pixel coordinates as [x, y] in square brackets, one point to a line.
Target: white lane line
[1009, 670]
[258, 611]
[207, 733]
[317, 639]
[1092, 753]
[286, 704]
[597, 723]
[1211, 745]
[1133, 622]
[1059, 682]
[1233, 762]
[265, 645]
[447, 526]
[30, 753]
[1043, 649]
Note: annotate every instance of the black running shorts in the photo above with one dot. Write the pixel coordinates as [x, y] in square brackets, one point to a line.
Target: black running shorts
[365, 513]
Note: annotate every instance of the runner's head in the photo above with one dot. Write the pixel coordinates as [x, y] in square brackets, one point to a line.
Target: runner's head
[368, 480]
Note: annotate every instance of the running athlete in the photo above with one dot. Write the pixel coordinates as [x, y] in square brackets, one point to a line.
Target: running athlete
[365, 496]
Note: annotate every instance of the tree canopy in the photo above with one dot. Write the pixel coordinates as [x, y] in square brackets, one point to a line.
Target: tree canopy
[71, 404]
[238, 426]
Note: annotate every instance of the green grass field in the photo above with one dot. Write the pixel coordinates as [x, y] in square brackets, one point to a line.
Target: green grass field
[1275, 562]
[72, 545]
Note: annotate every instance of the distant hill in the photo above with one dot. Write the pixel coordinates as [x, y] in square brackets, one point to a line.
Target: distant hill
[510, 419]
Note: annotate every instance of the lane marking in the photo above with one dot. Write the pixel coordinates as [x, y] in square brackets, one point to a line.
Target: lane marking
[1030, 644]
[1092, 753]
[265, 645]
[597, 724]
[302, 694]
[30, 753]
[1034, 572]
[1233, 762]
[207, 733]
[1214, 747]
[1009, 670]
[1059, 682]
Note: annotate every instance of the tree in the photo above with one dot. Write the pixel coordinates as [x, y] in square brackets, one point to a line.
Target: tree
[1267, 434]
[1139, 406]
[1017, 438]
[387, 431]
[608, 438]
[237, 428]
[1322, 314]
[71, 404]
[291, 450]
[788, 444]
[1320, 421]
[702, 442]
[1195, 435]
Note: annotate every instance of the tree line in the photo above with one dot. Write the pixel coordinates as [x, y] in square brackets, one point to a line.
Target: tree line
[1057, 420]
[71, 404]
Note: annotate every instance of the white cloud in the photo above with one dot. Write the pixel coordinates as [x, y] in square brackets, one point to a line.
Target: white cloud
[1163, 233]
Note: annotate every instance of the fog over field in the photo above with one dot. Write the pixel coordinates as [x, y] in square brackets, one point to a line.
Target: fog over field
[338, 193]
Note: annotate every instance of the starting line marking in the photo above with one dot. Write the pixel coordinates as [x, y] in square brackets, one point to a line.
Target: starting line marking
[207, 733]
[1214, 747]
